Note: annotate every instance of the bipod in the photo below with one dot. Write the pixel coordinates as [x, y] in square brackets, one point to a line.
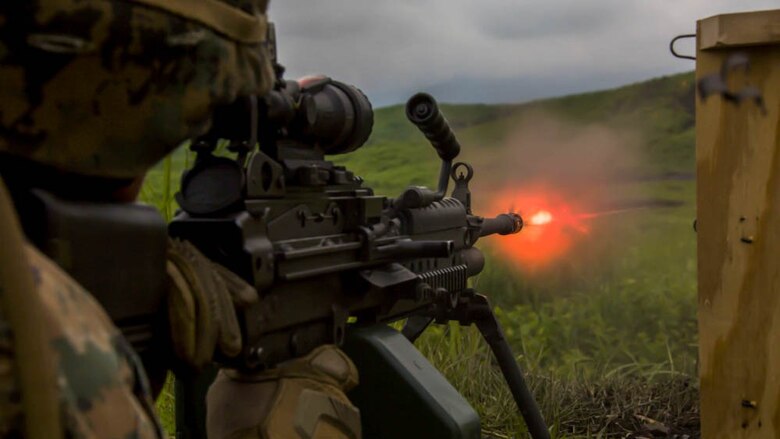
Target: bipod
[471, 308]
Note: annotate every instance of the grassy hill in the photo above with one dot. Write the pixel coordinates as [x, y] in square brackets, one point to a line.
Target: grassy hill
[607, 335]
[661, 109]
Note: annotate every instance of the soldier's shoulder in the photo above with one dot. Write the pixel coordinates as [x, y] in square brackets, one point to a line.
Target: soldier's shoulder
[102, 389]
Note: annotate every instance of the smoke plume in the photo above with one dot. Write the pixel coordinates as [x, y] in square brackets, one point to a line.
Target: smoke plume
[563, 178]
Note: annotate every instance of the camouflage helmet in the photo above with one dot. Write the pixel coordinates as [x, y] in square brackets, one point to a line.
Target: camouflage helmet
[108, 87]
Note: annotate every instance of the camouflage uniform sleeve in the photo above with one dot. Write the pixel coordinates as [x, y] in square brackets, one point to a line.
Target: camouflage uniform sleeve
[103, 390]
[10, 396]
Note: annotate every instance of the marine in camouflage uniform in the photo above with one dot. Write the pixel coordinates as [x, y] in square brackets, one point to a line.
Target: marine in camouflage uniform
[92, 93]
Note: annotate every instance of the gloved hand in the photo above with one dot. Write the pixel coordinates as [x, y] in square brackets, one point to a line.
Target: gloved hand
[202, 305]
[303, 398]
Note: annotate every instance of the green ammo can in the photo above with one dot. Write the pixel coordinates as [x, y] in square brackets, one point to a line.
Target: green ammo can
[401, 394]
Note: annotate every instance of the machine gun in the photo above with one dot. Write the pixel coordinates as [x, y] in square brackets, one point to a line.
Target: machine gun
[331, 260]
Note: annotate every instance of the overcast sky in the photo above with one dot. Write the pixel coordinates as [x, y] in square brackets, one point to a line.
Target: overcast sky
[488, 50]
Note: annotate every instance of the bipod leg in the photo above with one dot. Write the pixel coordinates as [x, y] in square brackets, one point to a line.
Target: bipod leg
[415, 326]
[482, 315]
[191, 389]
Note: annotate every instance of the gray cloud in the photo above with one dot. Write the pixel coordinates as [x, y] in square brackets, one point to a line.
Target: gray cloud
[514, 19]
[487, 50]
[337, 20]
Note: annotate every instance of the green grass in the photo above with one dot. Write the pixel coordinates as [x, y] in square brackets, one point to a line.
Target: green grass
[602, 343]
[608, 336]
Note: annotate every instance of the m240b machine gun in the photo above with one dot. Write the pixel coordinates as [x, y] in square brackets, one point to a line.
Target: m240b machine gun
[334, 263]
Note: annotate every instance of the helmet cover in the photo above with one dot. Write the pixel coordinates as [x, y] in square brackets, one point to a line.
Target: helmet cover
[109, 87]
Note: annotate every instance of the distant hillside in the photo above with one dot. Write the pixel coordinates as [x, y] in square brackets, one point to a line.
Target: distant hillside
[660, 110]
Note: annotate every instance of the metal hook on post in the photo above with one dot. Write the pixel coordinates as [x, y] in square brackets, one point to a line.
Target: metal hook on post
[674, 52]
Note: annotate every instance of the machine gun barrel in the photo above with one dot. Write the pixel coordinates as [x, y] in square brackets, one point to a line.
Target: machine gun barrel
[503, 224]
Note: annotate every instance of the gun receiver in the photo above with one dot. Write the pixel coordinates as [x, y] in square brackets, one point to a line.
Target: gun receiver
[324, 252]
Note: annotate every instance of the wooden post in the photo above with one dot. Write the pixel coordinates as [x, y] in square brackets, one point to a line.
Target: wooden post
[738, 223]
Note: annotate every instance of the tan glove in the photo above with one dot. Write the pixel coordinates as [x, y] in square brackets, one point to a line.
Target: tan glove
[202, 305]
[300, 399]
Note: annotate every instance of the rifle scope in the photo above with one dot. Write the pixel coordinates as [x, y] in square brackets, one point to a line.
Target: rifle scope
[315, 111]
[335, 117]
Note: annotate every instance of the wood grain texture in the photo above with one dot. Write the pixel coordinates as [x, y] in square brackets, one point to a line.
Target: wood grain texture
[741, 29]
[738, 222]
